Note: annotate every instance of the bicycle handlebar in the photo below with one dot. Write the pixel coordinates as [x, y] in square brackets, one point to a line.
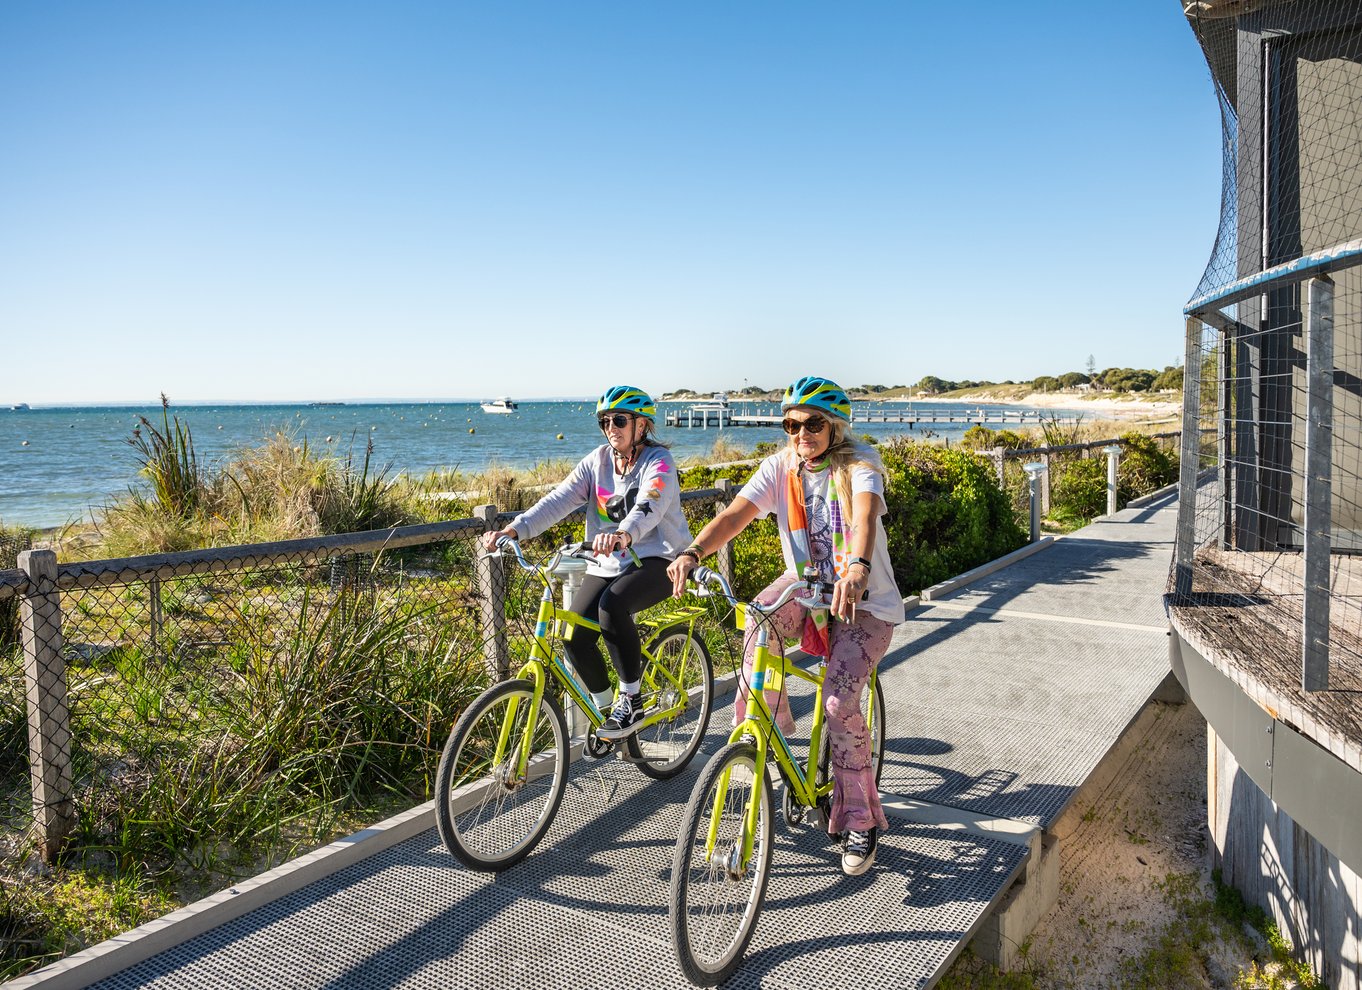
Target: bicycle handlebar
[580, 550]
[822, 591]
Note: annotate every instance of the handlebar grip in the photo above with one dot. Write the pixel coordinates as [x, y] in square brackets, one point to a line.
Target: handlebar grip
[702, 575]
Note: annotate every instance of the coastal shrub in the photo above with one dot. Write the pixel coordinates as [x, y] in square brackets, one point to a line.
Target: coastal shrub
[1144, 466]
[946, 513]
[264, 743]
[1078, 491]
[169, 462]
[983, 438]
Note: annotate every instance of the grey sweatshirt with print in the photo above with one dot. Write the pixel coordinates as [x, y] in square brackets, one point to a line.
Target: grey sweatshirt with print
[650, 491]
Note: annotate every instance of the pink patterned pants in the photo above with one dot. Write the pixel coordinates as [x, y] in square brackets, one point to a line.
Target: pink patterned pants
[855, 648]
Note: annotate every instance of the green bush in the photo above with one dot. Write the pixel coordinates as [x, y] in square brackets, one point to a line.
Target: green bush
[982, 438]
[1078, 491]
[1144, 467]
[946, 513]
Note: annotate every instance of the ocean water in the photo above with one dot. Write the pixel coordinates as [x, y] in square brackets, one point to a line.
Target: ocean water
[59, 464]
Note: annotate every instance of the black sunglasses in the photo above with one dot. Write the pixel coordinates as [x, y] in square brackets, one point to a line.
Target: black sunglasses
[812, 426]
[618, 420]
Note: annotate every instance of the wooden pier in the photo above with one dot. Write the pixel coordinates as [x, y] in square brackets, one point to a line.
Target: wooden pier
[705, 416]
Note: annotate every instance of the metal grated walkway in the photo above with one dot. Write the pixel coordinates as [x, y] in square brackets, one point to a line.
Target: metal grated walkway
[1002, 698]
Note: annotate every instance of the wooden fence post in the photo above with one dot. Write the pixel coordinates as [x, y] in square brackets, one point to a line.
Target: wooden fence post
[1000, 465]
[49, 719]
[491, 572]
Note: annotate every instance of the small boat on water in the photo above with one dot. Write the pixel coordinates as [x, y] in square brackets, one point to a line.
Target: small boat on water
[19, 407]
[718, 403]
[501, 405]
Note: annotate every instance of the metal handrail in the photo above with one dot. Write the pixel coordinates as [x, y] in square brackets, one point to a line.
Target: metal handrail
[1340, 256]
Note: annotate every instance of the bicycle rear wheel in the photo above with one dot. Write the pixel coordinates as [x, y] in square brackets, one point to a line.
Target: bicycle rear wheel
[489, 815]
[680, 678]
[714, 900]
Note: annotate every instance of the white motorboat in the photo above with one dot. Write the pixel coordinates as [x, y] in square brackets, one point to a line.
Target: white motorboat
[501, 405]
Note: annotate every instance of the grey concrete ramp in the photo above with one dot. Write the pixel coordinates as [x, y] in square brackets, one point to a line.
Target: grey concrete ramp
[1003, 696]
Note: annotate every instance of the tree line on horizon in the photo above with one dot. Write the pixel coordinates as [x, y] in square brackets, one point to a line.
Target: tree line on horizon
[1109, 380]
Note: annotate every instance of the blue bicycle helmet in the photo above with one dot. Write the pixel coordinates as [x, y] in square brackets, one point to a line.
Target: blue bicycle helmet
[821, 394]
[626, 398]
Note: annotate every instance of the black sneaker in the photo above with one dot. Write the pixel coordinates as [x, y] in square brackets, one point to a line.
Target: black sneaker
[624, 718]
[858, 854]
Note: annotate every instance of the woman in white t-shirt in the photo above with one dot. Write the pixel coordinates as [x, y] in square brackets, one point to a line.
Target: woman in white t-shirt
[827, 493]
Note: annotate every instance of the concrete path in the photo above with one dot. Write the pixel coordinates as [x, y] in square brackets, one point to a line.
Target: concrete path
[1003, 698]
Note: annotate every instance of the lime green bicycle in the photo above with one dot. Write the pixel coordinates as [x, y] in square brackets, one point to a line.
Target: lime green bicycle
[723, 855]
[504, 769]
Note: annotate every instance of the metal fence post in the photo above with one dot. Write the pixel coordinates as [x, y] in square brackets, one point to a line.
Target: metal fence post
[491, 573]
[1034, 469]
[723, 558]
[1319, 443]
[1113, 461]
[49, 719]
[1183, 547]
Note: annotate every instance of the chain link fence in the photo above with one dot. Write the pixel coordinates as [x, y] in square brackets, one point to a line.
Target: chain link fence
[210, 705]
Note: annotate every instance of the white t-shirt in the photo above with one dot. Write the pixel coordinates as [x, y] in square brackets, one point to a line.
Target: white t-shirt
[766, 490]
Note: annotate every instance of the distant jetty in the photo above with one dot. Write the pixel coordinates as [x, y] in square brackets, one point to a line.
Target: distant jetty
[719, 413]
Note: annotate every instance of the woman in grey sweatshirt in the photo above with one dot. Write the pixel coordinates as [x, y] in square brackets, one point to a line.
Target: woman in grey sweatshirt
[633, 503]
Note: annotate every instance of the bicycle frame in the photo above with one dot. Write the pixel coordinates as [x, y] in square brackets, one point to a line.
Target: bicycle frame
[544, 664]
[769, 672]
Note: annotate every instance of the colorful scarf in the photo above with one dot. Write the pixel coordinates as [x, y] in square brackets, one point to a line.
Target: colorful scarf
[815, 638]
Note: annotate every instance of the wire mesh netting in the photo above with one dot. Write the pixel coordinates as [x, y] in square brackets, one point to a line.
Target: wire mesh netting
[1270, 568]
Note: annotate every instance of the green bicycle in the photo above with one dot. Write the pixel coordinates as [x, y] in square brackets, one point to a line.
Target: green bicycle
[723, 854]
[504, 769]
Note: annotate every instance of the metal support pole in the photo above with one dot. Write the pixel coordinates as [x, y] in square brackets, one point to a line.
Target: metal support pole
[49, 719]
[1185, 547]
[1319, 435]
[1034, 470]
[1113, 461]
[491, 574]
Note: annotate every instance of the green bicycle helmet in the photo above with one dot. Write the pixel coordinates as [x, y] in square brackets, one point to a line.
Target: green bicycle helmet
[821, 394]
[626, 398]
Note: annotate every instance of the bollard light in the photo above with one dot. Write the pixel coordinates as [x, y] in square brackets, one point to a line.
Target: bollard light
[1034, 469]
[1113, 453]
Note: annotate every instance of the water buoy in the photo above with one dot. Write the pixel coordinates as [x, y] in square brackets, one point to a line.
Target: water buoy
[471, 430]
[328, 439]
[560, 436]
[24, 444]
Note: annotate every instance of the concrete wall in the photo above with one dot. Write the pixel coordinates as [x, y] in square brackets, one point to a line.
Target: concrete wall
[1315, 899]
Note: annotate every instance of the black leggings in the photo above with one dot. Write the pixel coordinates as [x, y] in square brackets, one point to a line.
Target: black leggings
[612, 602]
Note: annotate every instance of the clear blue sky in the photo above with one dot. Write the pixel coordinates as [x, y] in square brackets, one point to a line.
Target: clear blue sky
[313, 200]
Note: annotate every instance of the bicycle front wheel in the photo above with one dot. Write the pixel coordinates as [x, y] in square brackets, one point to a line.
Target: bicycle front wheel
[679, 681]
[489, 812]
[716, 897]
